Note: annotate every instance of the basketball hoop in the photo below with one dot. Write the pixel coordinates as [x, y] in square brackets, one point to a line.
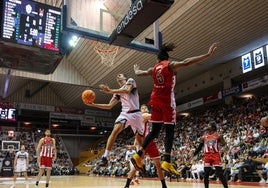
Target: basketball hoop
[106, 52]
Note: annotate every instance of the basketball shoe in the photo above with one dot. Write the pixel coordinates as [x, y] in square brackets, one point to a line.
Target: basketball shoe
[103, 162]
[136, 161]
[137, 181]
[168, 167]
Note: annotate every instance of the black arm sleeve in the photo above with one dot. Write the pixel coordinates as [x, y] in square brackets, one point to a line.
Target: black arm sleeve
[198, 149]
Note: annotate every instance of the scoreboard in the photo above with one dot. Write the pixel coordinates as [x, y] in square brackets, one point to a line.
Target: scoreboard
[31, 23]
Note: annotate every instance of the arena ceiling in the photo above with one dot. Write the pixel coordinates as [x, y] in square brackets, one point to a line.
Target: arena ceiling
[193, 25]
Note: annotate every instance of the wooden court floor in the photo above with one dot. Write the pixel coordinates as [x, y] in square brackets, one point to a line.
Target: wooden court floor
[83, 181]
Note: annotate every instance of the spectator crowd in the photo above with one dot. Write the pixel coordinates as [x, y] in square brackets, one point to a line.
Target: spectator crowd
[239, 123]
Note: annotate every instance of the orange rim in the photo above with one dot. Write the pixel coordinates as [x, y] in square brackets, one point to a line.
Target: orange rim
[103, 50]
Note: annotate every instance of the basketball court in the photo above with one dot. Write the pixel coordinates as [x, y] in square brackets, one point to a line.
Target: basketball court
[83, 181]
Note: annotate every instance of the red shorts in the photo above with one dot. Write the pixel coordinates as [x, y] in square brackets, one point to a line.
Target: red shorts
[152, 150]
[212, 159]
[163, 113]
[45, 162]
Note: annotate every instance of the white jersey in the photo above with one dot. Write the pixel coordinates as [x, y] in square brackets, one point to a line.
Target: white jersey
[130, 114]
[22, 157]
[129, 101]
[129, 154]
[21, 165]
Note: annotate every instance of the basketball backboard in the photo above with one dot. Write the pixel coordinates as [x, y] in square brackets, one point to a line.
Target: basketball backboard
[122, 23]
[7, 145]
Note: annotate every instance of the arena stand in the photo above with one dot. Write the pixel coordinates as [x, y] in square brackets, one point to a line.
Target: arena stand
[239, 123]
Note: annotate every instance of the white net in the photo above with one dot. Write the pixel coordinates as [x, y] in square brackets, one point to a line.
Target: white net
[106, 52]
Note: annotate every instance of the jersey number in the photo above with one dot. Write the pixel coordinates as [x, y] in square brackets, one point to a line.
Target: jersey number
[159, 76]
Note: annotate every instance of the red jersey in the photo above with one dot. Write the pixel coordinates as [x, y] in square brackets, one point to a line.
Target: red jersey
[146, 129]
[47, 147]
[211, 143]
[212, 156]
[151, 149]
[164, 83]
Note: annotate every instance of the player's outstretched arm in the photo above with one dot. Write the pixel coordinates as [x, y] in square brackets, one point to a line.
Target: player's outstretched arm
[146, 117]
[54, 150]
[126, 89]
[38, 150]
[222, 141]
[108, 106]
[192, 60]
[39, 146]
[140, 72]
[225, 148]
[199, 147]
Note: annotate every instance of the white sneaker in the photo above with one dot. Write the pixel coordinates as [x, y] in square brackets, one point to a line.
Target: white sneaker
[12, 186]
[262, 181]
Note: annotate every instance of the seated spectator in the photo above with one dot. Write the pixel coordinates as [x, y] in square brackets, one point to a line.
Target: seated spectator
[200, 170]
[184, 166]
[189, 172]
[235, 151]
[235, 168]
[263, 173]
[255, 134]
[197, 170]
[248, 166]
[265, 155]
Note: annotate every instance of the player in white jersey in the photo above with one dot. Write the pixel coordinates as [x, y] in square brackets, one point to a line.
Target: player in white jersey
[21, 164]
[130, 115]
[129, 153]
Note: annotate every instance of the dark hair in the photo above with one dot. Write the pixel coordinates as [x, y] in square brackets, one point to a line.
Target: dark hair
[213, 126]
[163, 53]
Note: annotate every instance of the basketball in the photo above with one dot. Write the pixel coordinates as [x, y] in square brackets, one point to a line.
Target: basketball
[264, 121]
[88, 96]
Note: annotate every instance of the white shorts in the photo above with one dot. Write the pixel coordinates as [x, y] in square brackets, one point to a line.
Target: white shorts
[131, 119]
[20, 168]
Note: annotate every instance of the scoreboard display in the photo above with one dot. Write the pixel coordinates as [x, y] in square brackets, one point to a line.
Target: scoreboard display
[31, 23]
[8, 114]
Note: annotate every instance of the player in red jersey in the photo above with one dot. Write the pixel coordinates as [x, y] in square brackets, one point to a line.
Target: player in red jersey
[211, 142]
[151, 150]
[46, 153]
[162, 100]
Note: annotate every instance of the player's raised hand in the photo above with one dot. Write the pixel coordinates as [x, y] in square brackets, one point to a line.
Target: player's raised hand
[104, 88]
[136, 67]
[212, 48]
